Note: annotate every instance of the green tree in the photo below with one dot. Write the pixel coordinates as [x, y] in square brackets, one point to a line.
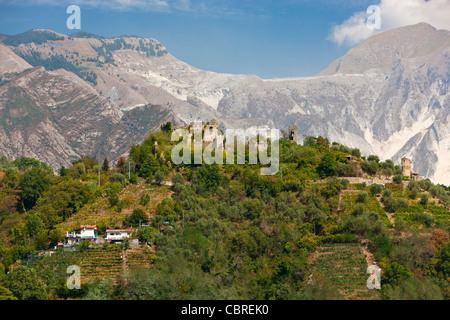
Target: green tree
[121, 163]
[370, 167]
[35, 225]
[41, 242]
[344, 170]
[99, 290]
[25, 284]
[356, 153]
[63, 171]
[138, 215]
[145, 200]
[392, 204]
[55, 236]
[326, 165]
[105, 165]
[63, 200]
[33, 183]
[168, 127]
[424, 199]
[387, 193]
[394, 273]
[80, 168]
[149, 167]
[412, 288]
[362, 197]
[88, 162]
[117, 177]
[113, 199]
[397, 179]
[358, 210]
[177, 178]
[6, 294]
[159, 176]
[440, 264]
[373, 158]
[147, 234]
[210, 176]
[414, 193]
[166, 207]
[388, 164]
[25, 163]
[375, 189]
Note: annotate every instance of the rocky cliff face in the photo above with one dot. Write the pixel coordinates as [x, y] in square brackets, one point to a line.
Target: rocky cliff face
[388, 96]
[56, 117]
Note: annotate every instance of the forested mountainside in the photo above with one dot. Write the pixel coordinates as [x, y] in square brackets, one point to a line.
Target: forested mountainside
[224, 231]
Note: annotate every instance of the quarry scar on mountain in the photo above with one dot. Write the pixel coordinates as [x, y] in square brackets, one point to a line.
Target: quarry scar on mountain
[66, 96]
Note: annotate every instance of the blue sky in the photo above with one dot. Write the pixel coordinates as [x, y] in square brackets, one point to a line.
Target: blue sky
[281, 38]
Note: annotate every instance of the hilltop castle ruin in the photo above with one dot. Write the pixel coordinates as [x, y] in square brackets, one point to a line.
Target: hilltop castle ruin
[293, 136]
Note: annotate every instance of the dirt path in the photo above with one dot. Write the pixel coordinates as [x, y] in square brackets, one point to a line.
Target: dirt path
[369, 255]
[124, 264]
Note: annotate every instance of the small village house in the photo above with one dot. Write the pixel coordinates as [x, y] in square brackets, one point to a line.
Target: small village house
[118, 235]
[87, 232]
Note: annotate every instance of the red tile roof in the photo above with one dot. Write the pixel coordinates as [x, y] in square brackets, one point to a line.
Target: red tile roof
[119, 230]
[83, 226]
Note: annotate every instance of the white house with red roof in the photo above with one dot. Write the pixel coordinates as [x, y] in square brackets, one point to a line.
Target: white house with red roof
[118, 235]
[87, 232]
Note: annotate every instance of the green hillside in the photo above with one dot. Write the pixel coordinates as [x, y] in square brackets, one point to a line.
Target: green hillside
[224, 231]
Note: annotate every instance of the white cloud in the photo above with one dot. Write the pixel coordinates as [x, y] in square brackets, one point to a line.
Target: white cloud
[394, 14]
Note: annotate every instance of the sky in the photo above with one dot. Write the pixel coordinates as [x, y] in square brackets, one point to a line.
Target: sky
[268, 38]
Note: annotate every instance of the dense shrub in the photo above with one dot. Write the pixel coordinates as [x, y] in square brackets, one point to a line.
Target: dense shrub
[117, 177]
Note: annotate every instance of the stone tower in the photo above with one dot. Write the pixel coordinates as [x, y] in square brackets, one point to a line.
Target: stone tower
[406, 167]
[211, 131]
[293, 133]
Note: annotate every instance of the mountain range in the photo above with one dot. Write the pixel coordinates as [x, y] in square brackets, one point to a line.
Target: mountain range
[63, 96]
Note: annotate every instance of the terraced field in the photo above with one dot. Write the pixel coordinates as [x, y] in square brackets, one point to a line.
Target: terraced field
[371, 205]
[140, 257]
[424, 215]
[344, 266]
[101, 262]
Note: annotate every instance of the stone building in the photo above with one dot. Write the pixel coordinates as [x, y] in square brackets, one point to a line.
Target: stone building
[293, 136]
[406, 167]
[415, 176]
[211, 131]
[195, 126]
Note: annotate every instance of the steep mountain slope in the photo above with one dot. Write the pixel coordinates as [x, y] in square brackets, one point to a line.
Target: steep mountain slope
[388, 96]
[10, 62]
[57, 117]
[409, 111]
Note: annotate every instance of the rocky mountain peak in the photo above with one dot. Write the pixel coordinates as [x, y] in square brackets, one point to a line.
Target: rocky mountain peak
[382, 52]
[388, 96]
